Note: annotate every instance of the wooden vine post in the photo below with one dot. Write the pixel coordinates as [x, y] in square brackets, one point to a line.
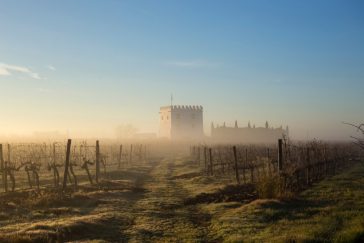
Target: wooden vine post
[7, 163]
[211, 162]
[97, 161]
[245, 164]
[251, 166]
[236, 166]
[335, 159]
[280, 155]
[308, 167]
[269, 163]
[120, 155]
[325, 160]
[205, 157]
[67, 162]
[131, 153]
[3, 171]
[280, 166]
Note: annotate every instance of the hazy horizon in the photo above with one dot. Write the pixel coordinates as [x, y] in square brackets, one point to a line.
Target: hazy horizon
[82, 68]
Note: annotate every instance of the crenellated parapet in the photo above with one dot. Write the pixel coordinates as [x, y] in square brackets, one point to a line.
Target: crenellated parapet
[266, 127]
[187, 108]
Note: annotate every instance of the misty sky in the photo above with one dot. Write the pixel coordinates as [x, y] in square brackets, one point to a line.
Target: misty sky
[87, 66]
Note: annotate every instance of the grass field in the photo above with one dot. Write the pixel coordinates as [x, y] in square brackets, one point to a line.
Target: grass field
[147, 203]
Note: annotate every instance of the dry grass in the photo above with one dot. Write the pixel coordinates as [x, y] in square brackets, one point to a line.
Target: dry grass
[147, 203]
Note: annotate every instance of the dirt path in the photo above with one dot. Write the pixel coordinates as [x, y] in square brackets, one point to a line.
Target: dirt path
[140, 204]
[160, 216]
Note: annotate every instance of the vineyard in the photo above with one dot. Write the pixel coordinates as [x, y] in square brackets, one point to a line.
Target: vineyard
[82, 191]
[56, 165]
[289, 167]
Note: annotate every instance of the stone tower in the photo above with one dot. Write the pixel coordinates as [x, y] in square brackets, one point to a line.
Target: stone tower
[181, 122]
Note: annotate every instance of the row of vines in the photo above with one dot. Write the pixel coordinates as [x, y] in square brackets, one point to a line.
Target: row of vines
[287, 167]
[36, 165]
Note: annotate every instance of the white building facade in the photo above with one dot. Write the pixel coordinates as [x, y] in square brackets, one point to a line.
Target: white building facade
[181, 122]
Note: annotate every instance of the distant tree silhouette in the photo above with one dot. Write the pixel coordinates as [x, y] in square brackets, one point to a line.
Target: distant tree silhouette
[125, 131]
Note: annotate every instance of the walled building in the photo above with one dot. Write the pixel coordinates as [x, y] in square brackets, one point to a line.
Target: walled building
[181, 122]
[249, 134]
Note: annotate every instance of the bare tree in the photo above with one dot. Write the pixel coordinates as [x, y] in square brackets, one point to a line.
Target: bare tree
[358, 140]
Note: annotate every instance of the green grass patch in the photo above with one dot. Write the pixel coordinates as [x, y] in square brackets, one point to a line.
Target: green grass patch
[331, 211]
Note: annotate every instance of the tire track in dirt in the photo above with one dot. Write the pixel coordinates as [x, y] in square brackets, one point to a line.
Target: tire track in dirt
[161, 216]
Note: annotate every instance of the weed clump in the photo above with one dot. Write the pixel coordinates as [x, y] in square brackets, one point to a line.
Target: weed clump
[268, 187]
